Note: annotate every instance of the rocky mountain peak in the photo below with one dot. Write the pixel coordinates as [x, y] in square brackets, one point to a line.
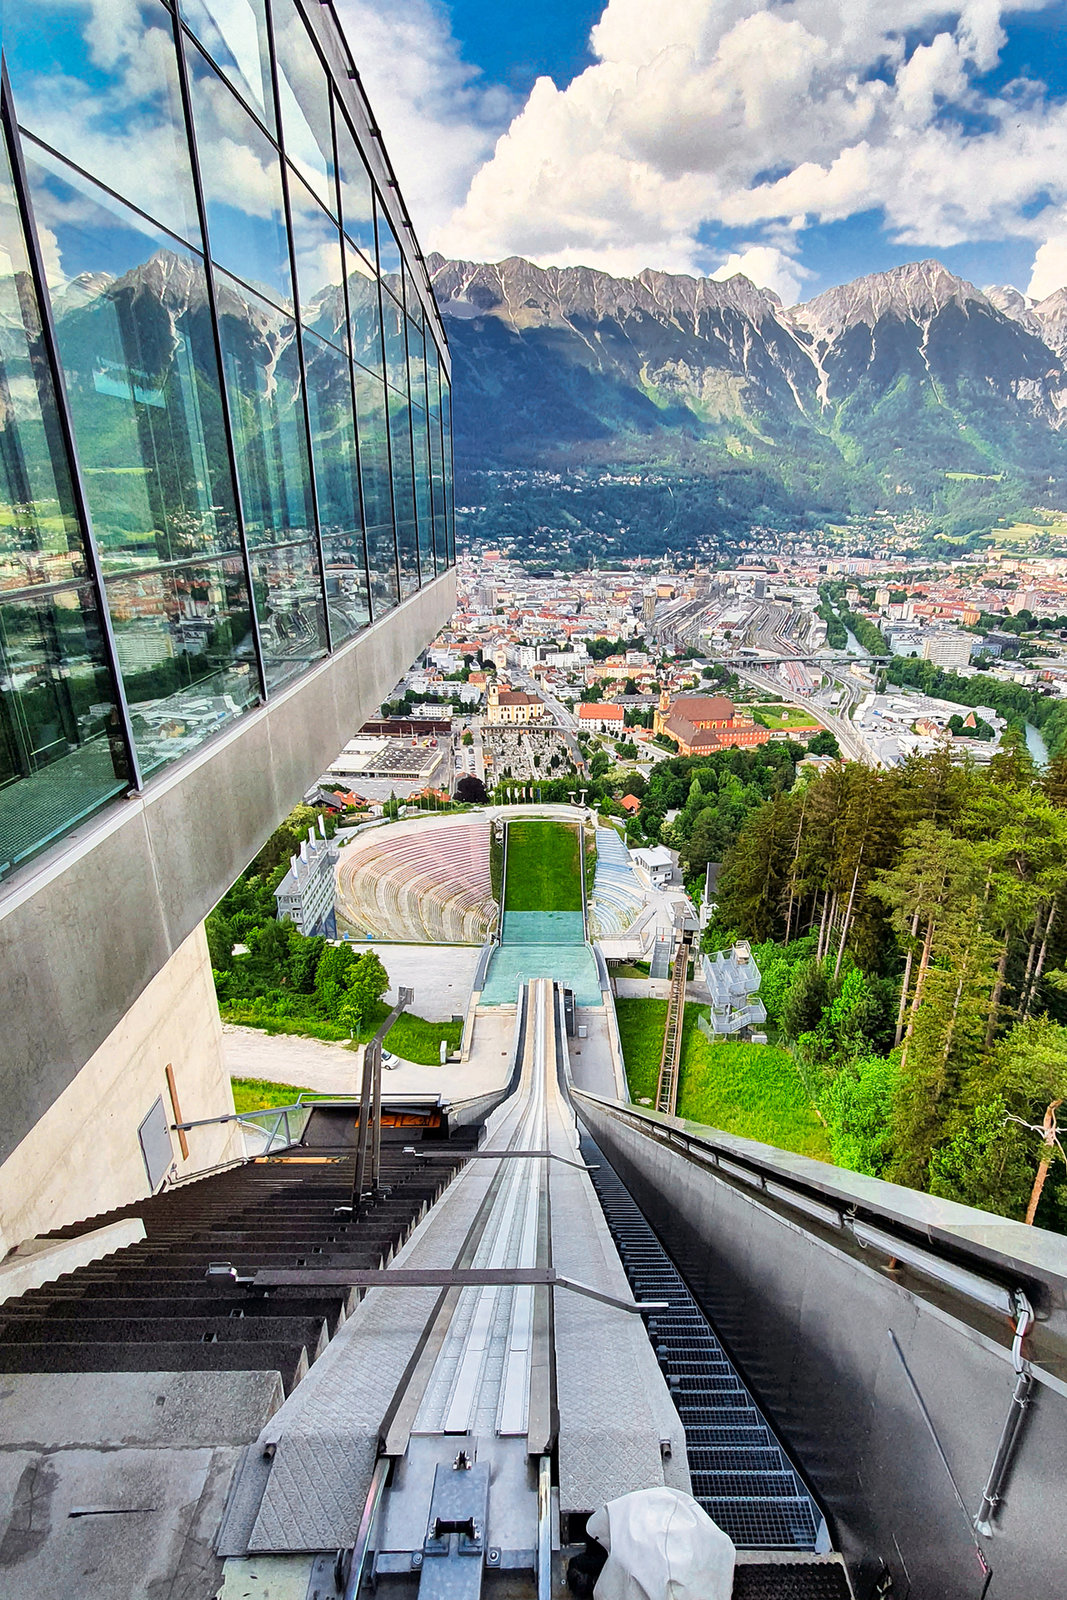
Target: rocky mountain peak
[915, 292]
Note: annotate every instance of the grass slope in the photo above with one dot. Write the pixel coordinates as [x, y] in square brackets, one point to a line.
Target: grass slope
[412, 1038]
[752, 1090]
[542, 867]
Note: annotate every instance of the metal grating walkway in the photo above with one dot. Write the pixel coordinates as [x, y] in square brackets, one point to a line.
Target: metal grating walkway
[740, 1473]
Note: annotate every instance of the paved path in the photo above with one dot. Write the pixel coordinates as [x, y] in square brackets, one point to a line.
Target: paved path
[334, 1069]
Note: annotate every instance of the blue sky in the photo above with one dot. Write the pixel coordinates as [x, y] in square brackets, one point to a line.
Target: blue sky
[803, 142]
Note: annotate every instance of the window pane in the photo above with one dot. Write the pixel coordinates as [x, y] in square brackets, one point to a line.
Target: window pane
[357, 195]
[141, 374]
[234, 34]
[365, 321]
[242, 178]
[403, 494]
[40, 540]
[292, 629]
[317, 246]
[305, 102]
[416, 362]
[262, 366]
[377, 495]
[388, 250]
[102, 88]
[185, 650]
[61, 752]
[437, 482]
[396, 356]
[333, 445]
[446, 430]
[421, 456]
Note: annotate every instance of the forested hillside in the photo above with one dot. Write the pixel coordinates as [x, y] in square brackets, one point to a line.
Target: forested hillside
[912, 931]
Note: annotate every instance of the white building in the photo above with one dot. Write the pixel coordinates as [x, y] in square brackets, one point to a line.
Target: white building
[950, 648]
[306, 893]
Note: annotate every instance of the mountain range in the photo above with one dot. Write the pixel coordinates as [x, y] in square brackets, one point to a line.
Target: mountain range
[909, 389]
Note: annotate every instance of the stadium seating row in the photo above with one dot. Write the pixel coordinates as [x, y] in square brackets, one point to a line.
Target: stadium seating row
[427, 882]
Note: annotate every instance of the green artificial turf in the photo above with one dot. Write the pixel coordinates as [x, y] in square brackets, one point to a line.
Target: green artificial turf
[542, 866]
[752, 1090]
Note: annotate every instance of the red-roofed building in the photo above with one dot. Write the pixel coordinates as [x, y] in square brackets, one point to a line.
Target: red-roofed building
[602, 716]
[700, 724]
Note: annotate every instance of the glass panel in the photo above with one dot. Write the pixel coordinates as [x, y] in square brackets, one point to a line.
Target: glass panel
[388, 250]
[357, 196]
[234, 34]
[396, 356]
[403, 494]
[364, 311]
[437, 481]
[141, 374]
[262, 366]
[292, 627]
[416, 362]
[184, 643]
[40, 540]
[100, 84]
[333, 446]
[317, 245]
[242, 178]
[305, 102]
[377, 495]
[61, 751]
[446, 431]
[421, 456]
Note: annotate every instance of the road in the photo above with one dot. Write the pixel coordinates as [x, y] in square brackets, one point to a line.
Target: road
[851, 745]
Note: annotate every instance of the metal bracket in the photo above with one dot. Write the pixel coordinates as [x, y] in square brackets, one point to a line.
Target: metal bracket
[433, 1278]
[497, 1155]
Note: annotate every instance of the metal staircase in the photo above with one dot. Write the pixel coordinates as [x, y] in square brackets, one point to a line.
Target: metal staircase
[154, 1306]
[670, 1060]
[740, 1473]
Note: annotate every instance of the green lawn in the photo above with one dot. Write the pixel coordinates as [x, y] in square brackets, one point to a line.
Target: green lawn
[752, 1090]
[412, 1038]
[542, 866]
[779, 717]
[252, 1094]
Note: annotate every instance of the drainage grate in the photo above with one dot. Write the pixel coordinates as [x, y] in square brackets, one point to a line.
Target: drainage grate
[741, 1475]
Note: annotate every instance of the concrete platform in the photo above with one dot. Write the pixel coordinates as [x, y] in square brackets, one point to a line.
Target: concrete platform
[112, 1484]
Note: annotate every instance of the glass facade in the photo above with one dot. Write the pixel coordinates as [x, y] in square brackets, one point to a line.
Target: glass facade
[225, 420]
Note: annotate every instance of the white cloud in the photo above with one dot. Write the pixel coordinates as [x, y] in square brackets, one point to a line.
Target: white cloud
[768, 268]
[756, 117]
[1050, 267]
[438, 118]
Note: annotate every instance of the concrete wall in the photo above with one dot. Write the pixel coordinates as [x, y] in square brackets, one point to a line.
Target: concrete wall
[84, 930]
[808, 1317]
[83, 1156]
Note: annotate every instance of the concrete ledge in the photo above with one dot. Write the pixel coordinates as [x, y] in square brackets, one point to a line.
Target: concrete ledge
[44, 1260]
[137, 1410]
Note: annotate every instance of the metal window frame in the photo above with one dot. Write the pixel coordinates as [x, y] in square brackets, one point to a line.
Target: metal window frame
[49, 342]
[216, 335]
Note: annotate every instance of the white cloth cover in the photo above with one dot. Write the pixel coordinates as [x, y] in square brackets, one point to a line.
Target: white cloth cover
[661, 1546]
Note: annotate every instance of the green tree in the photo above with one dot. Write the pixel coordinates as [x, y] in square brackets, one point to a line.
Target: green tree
[823, 743]
[220, 940]
[856, 1105]
[332, 978]
[985, 1163]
